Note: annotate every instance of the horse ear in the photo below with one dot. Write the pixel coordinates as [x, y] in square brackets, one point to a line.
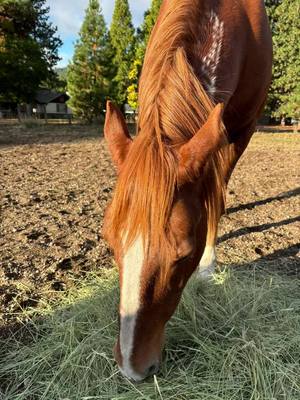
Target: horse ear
[194, 154]
[116, 134]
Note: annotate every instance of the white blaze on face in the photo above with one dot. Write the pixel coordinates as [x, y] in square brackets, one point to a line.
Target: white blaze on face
[130, 304]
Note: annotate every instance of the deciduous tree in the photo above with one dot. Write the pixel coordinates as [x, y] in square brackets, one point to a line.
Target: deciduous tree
[28, 49]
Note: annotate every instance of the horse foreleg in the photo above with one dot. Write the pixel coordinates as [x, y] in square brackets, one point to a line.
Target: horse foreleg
[208, 262]
[234, 151]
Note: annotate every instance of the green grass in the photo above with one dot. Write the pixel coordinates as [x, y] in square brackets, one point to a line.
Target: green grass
[237, 338]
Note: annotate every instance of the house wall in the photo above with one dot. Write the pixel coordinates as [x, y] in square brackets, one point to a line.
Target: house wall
[52, 108]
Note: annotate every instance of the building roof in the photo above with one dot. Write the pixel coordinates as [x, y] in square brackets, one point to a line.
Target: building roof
[46, 96]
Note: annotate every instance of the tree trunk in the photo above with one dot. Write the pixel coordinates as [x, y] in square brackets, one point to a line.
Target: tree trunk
[19, 112]
[28, 110]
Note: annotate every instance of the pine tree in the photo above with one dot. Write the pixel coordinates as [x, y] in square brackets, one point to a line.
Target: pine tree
[89, 72]
[123, 41]
[142, 40]
[28, 49]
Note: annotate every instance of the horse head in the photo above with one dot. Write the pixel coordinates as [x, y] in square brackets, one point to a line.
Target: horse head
[157, 228]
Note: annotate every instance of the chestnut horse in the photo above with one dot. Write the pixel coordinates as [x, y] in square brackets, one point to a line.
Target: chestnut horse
[204, 83]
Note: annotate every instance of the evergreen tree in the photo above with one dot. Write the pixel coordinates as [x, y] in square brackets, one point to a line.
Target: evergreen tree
[123, 41]
[89, 72]
[142, 40]
[285, 89]
[28, 49]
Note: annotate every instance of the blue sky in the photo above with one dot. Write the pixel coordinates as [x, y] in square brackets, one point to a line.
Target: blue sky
[67, 15]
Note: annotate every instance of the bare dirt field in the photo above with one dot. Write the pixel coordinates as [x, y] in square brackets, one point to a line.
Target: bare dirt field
[55, 183]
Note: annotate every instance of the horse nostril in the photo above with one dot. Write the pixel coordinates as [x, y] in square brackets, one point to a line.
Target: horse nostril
[153, 369]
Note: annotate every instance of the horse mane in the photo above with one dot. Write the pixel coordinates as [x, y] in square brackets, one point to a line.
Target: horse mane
[173, 107]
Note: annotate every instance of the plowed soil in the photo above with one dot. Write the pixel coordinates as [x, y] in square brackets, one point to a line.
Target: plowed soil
[55, 182]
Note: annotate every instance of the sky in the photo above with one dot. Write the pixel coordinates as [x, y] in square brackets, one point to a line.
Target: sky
[68, 15]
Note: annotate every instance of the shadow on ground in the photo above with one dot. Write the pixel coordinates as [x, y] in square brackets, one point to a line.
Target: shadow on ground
[17, 134]
[251, 206]
[256, 228]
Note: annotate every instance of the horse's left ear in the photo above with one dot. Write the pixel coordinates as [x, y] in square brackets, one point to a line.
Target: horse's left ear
[194, 154]
[116, 134]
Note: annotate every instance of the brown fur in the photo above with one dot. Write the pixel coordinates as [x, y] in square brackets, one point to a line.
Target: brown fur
[173, 106]
[173, 175]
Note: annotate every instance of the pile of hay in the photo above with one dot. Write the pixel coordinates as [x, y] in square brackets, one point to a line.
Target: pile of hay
[236, 338]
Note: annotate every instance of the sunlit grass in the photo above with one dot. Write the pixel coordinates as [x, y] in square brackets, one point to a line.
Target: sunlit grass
[235, 338]
[262, 139]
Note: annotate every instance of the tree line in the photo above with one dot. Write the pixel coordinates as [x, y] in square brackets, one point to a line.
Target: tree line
[107, 62]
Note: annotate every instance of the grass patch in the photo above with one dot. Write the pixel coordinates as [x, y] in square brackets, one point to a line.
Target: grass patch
[274, 139]
[237, 338]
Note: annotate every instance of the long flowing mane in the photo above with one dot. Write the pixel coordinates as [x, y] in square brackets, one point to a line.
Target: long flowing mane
[173, 107]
